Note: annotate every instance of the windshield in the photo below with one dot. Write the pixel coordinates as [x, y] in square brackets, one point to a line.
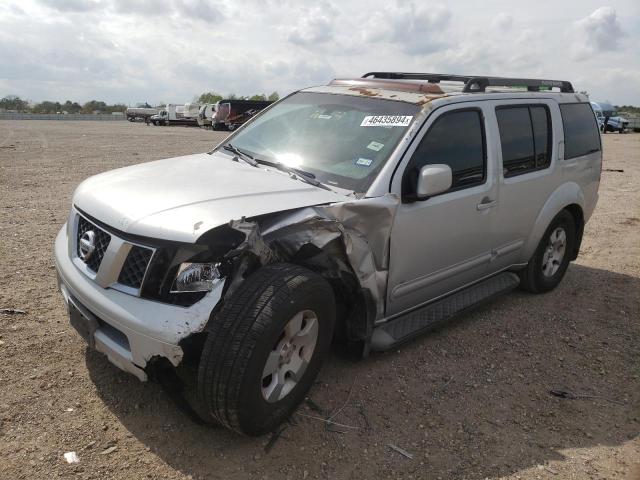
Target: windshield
[343, 140]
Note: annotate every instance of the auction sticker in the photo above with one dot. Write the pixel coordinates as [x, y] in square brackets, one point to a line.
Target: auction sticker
[386, 121]
[364, 162]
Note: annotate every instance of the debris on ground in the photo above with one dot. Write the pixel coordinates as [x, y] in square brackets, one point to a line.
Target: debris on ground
[109, 450]
[12, 311]
[401, 451]
[574, 396]
[275, 435]
[314, 406]
[71, 457]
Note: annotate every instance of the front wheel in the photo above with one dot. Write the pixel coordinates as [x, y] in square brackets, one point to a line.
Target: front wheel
[265, 348]
[551, 259]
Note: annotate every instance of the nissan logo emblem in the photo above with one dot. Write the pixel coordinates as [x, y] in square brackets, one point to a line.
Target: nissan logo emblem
[87, 245]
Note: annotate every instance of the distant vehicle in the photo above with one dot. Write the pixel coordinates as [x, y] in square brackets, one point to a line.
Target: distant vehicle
[174, 114]
[608, 118]
[205, 114]
[140, 113]
[230, 114]
[191, 110]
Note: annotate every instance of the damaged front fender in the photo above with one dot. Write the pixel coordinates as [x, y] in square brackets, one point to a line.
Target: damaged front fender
[363, 227]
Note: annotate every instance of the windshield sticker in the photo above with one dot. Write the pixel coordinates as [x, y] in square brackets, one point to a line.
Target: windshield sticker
[325, 117]
[375, 146]
[364, 162]
[386, 121]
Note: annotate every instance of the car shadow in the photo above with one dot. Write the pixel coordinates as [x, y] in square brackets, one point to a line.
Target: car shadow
[470, 400]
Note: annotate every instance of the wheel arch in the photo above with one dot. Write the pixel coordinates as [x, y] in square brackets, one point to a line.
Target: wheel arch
[578, 217]
[355, 306]
[568, 196]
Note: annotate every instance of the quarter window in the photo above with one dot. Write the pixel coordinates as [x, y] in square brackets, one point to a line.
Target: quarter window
[455, 139]
[581, 135]
[525, 136]
[541, 135]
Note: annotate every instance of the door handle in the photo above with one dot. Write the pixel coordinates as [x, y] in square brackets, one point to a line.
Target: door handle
[486, 203]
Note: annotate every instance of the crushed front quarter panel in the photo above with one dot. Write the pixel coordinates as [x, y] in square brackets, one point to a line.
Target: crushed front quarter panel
[363, 226]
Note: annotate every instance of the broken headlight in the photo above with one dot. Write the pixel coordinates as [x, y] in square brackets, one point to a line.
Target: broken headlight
[196, 277]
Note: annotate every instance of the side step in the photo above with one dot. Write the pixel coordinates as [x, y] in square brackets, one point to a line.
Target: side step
[418, 321]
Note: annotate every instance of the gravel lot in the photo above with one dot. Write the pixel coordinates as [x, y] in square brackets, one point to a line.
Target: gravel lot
[469, 401]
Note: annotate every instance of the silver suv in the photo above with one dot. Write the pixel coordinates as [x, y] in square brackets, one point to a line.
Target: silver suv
[369, 210]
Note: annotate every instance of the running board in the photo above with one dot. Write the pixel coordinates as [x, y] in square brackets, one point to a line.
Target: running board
[418, 321]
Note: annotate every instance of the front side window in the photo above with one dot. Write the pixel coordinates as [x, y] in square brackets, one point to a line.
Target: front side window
[581, 134]
[343, 140]
[525, 138]
[456, 139]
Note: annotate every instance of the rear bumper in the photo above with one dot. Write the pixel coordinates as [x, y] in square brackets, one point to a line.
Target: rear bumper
[130, 330]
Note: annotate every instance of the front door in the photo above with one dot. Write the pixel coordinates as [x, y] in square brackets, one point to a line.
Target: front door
[444, 242]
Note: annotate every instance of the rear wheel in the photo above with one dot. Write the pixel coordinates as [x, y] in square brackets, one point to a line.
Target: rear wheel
[265, 348]
[551, 259]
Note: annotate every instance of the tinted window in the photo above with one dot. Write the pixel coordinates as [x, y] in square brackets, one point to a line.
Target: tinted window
[541, 135]
[516, 137]
[525, 136]
[455, 139]
[581, 135]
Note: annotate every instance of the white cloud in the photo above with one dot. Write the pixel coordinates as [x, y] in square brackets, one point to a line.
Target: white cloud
[599, 32]
[502, 22]
[73, 5]
[205, 10]
[414, 28]
[171, 50]
[316, 26]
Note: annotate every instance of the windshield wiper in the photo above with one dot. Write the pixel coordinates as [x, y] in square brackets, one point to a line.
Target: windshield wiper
[240, 154]
[303, 175]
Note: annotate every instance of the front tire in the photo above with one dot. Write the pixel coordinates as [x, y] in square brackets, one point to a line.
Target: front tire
[265, 348]
[552, 256]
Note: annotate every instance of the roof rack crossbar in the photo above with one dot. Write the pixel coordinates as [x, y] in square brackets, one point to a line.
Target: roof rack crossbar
[477, 84]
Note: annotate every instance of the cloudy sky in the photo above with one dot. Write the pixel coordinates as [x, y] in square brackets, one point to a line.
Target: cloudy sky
[170, 50]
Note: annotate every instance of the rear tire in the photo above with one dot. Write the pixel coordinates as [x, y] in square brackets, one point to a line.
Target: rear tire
[551, 259]
[255, 369]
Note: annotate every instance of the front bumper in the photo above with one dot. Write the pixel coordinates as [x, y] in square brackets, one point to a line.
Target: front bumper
[130, 330]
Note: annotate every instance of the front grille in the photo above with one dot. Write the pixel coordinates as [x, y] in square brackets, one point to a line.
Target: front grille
[135, 266]
[102, 240]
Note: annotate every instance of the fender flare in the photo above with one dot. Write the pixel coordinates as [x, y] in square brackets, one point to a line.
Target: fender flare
[568, 193]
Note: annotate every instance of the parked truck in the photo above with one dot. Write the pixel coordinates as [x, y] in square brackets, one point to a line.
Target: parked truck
[230, 114]
[141, 113]
[174, 114]
[608, 118]
[205, 114]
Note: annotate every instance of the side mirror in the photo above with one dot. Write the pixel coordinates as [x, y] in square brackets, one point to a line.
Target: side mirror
[433, 179]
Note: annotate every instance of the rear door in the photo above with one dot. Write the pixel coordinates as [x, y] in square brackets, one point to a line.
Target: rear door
[529, 137]
[444, 242]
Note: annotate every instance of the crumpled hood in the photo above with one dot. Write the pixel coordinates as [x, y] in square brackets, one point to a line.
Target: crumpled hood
[181, 198]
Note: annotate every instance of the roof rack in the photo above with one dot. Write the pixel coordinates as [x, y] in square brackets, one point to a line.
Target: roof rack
[477, 84]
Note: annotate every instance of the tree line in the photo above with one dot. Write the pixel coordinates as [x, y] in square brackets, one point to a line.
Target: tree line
[213, 97]
[17, 104]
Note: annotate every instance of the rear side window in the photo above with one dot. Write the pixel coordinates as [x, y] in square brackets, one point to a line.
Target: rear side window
[525, 136]
[581, 135]
[456, 139]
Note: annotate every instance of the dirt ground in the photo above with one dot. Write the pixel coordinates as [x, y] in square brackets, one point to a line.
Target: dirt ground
[470, 401]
